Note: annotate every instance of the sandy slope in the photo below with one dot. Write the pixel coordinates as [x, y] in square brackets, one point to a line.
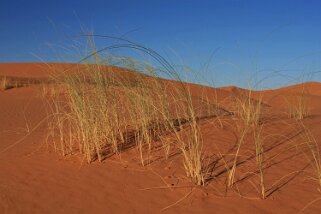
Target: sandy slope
[34, 179]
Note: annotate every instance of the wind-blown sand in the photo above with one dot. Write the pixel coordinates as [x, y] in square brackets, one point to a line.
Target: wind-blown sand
[35, 179]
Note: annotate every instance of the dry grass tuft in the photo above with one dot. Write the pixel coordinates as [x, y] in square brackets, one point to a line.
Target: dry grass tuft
[298, 108]
[259, 154]
[312, 153]
[99, 111]
[3, 83]
[243, 130]
[191, 144]
[248, 109]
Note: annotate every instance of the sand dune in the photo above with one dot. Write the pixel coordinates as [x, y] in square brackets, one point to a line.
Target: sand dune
[36, 179]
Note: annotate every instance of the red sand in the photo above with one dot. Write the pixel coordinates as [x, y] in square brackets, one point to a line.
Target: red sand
[33, 179]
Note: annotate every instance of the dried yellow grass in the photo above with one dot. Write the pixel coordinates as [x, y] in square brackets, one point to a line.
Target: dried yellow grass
[312, 153]
[249, 109]
[259, 154]
[3, 83]
[100, 112]
[298, 109]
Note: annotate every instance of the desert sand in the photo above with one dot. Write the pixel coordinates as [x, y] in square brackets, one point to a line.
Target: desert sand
[36, 179]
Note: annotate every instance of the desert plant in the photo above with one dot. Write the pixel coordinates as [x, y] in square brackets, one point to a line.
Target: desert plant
[102, 111]
[298, 108]
[82, 108]
[231, 170]
[249, 109]
[259, 154]
[3, 83]
[313, 154]
[186, 130]
[192, 147]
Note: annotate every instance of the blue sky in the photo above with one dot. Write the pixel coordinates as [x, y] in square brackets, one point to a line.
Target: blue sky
[233, 39]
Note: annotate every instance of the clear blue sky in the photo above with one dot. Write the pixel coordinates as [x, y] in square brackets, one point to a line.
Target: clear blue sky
[247, 36]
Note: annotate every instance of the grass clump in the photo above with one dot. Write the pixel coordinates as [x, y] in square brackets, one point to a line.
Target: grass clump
[298, 109]
[259, 154]
[190, 141]
[103, 110]
[3, 83]
[248, 109]
[232, 170]
[91, 106]
[312, 153]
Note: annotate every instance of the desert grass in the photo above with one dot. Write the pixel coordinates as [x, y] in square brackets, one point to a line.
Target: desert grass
[3, 83]
[97, 116]
[312, 153]
[259, 154]
[90, 111]
[242, 130]
[145, 104]
[298, 108]
[100, 113]
[192, 145]
[248, 109]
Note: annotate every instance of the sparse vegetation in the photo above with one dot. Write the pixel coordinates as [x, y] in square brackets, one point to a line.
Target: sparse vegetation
[101, 112]
[98, 110]
[259, 154]
[298, 108]
[312, 153]
[248, 109]
[3, 83]
[232, 170]
[222, 114]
